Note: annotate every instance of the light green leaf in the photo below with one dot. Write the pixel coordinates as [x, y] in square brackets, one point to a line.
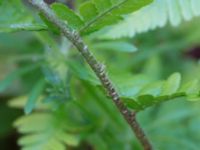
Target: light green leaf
[154, 92]
[20, 102]
[22, 27]
[155, 15]
[44, 131]
[130, 85]
[190, 87]
[34, 95]
[172, 84]
[120, 46]
[152, 88]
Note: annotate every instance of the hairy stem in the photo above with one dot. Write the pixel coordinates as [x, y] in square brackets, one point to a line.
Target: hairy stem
[97, 67]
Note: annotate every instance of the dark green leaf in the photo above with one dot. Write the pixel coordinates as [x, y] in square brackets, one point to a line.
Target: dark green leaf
[100, 13]
[64, 13]
[131, 103]
[88, 11]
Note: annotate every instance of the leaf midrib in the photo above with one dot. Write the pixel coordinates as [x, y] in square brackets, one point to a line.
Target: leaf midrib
[101, 15]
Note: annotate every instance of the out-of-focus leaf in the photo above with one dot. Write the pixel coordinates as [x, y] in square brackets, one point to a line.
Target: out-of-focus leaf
[82, 72]
[14, 75]
[155, 15]
[115, 46]
[34, 95]
[172, 84]
[20, 102]
[14, 17]
[152, 93]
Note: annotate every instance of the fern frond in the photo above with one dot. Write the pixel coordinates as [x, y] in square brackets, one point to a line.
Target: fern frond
[96, 14]
[47, 131]
[155, 15]
[146, 94]
[44, 132]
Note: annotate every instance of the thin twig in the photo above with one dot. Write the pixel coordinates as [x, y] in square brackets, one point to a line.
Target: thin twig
[97, 67]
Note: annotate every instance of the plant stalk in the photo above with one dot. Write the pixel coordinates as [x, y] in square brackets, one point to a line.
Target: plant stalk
[97, 67]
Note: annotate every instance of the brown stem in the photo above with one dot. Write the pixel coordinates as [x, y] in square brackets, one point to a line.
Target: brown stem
[97, 67]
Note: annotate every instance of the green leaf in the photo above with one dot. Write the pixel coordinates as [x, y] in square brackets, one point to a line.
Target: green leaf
[152, 88]
[50, 25]
[4, 84]
[120, 46]
[44, 131]
[172, 84]
[34, 95]
[82, 72]
[64, 13]
[96, 14]
[190, 87]
[88, 11]
[100, 13]
[131, 103]
[21, 101]
[155, 15]
[102, 5]
[14, 17]
[146, 100]
[130, 85]
[22, 27]
[150, 93]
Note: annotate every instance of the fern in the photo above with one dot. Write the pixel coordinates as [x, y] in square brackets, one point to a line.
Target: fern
[88, 120]
[155, 15]
[44, 131]
[96, 14]
[139, 92]
[50, 130]
[147, 94]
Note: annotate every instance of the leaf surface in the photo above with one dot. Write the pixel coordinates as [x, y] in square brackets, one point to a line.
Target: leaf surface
[155, 15]
[14, 17]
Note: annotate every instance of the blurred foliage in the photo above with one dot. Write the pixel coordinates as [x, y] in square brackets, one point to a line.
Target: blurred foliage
[65, 105]
[155, 15]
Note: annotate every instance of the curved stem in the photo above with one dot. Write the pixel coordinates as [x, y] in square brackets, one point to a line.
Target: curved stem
[97, 67]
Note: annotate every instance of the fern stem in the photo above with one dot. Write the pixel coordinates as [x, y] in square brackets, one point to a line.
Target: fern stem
[97, 67]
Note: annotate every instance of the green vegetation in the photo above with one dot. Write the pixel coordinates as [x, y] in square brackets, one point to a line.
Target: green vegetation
[139, 55]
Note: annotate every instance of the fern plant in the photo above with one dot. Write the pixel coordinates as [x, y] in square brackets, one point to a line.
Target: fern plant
[155, 15]
[71, 102]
